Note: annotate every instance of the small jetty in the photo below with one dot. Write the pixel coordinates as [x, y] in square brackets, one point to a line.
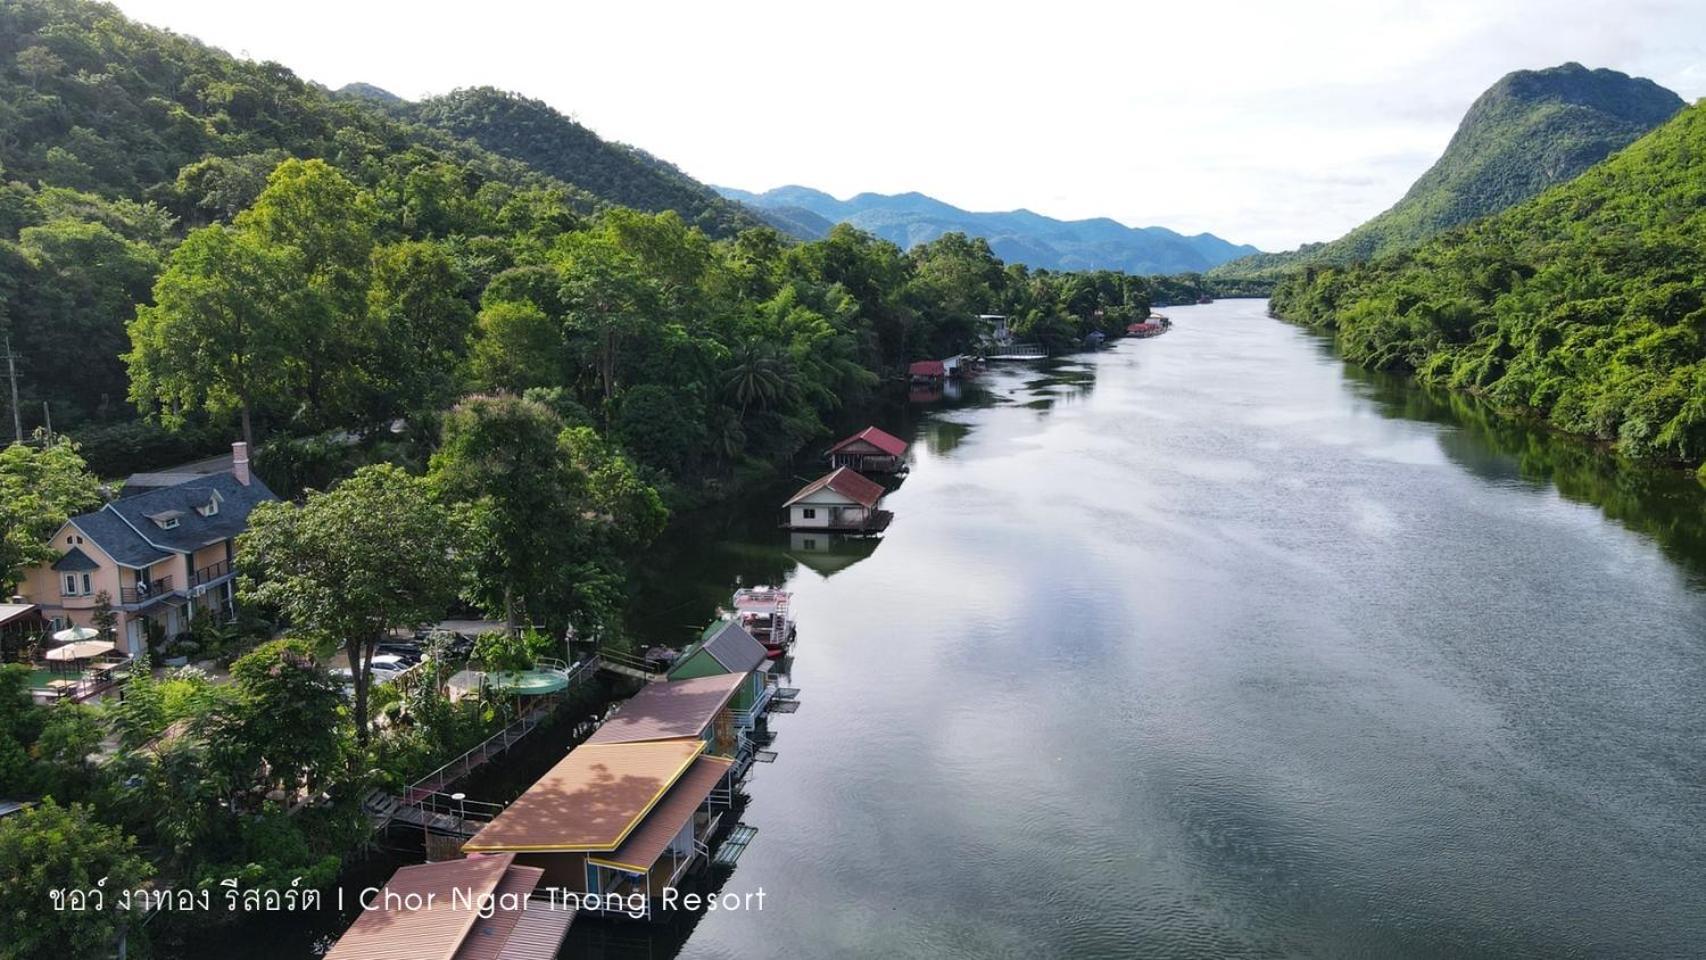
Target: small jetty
[841, 501]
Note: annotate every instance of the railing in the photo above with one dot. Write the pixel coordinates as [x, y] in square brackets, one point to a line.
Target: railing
[146, 592]
[210, 573]
[620, 660]
[464, 810]
[488, 748]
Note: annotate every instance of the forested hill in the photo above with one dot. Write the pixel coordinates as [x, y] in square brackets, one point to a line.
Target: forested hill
[1585, 305]
[532, 132]
[1017, 236]
[1530, 130]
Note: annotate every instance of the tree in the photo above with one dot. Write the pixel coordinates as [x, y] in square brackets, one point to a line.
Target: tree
[72, 733]
[609, 298]
[221, 331]
[499, 458]
[48, 849]
[422, 319]
[285, 715]
[39, 489]
[83, 283]
[38, 62]
[328, 223]
[103, 616]
[517, 347]
[375, 551]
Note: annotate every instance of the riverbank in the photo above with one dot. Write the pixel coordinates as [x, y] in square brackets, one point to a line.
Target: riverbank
[1523, 414]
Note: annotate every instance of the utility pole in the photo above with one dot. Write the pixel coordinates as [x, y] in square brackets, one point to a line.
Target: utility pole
[12, 375]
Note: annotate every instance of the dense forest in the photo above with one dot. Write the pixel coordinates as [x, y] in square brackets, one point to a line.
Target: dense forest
[532, 132]
[1585, 305]
[1530, 130]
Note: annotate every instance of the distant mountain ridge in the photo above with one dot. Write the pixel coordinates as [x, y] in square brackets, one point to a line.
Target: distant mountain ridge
[1021, 236]
[1530, 130]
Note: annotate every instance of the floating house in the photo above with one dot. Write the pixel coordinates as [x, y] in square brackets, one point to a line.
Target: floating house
[694, 708]
[870, 451]
[615, 819]
[433, 911]
[842, 501]
[1142, 330]
[927, 371]
[763, 613]
[726, 648]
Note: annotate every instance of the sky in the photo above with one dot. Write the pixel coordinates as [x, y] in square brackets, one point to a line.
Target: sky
[1272, 123]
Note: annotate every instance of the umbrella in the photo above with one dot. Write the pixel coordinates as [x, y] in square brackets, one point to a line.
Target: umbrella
[79, 650]
[76, 634]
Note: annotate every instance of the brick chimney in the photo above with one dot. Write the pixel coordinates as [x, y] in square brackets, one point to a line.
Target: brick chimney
[240, 462]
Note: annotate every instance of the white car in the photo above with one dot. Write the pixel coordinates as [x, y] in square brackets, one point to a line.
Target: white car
[385, 669]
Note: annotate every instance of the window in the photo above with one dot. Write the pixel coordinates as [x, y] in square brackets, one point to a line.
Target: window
[809, 513]
[808, 544]
[169, 524]
[70, 585]
[87, 588]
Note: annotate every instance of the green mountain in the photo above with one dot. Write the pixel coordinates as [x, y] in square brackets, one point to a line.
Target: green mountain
[367, 91]
[535, 134]
[1017, 236]
[1585, 305]
[1530, 130]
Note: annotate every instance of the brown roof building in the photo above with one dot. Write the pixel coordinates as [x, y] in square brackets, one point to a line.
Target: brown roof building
[623, 819]
[432, 912]
[591, 800]
[677, 710]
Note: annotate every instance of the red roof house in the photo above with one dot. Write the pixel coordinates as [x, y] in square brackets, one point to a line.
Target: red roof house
[927, 370]
[871, 450]
[841, 500]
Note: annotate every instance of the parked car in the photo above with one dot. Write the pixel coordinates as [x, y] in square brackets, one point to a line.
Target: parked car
[386, 666]
[405, 651]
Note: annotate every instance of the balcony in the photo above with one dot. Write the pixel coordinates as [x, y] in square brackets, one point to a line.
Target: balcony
[210, 573]
[147, 591]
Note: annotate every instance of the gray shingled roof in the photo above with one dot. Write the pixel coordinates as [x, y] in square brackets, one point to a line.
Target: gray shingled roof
[735, 649]
[76, 559]
[113, 535]
[125, 530]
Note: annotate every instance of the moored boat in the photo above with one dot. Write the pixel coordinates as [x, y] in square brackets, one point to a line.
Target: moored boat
[763, 612]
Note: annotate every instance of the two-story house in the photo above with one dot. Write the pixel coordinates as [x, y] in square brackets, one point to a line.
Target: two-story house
[159, 556]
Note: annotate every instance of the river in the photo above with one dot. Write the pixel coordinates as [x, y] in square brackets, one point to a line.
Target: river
[1209, 646]
[1213, 646]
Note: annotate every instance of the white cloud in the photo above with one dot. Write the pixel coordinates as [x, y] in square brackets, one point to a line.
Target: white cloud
[1270, 123]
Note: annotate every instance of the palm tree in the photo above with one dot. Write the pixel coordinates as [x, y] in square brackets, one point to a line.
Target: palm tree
[758, 375]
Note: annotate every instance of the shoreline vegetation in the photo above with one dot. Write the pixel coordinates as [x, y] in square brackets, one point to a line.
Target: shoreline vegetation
[1584, 307]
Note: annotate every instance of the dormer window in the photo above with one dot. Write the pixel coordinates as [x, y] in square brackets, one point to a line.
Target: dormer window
[211, 507]
[167, 520]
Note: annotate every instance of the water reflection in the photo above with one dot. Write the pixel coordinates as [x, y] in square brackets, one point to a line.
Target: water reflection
[829, 553]
[1667, 505]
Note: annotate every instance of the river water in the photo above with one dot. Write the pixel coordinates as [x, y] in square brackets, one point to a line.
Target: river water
[1212, 646]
